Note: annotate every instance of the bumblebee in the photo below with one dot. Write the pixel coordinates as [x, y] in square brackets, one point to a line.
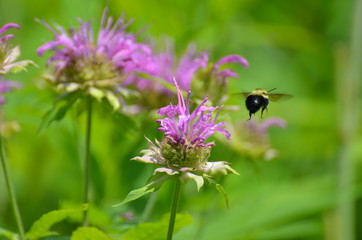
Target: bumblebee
[259, 98]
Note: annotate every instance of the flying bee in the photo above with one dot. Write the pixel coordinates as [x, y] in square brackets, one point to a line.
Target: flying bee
[259, 98]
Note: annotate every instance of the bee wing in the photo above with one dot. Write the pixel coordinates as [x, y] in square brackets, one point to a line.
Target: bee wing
[245, 94]
[279, 96]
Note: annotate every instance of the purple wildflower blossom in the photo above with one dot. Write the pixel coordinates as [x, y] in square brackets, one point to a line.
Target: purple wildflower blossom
[5, 28]
[166, 66]
[8, 55]
[226, 73]
[6, 86]
[98, 65]
[112, 44]
[182, 127]
[184, 152]
[255, 142]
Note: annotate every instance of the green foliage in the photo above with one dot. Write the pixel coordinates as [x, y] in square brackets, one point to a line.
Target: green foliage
[220, 189]
[97, 217]
[155, 182]
[41, 228]
[8, 235]
[59, 109]
[162, 81]
[157, 230]
[298, 48]
[89, 233]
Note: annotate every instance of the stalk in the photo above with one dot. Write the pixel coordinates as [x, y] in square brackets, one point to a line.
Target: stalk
[86, 164]
[175, 200]
[13, 201]
[349, 98]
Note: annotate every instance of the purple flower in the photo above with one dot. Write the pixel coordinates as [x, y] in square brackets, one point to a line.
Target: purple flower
[192, 129]
[166, 67]
[96, 66]
[5, 28]
[8, 64]
[184, 150]
[254, 140]
[193, 72]
[226, 73]
[6, 86]
[8, 53]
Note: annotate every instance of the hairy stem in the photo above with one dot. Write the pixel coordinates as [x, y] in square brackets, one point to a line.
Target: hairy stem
[86, 164]
[12, 196]
[175, 200]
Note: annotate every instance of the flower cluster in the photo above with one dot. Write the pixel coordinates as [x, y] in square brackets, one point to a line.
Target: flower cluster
[184, 149]
[95, 66]
[8, 55]
[193, 71]
[254, 141]
[8, 64]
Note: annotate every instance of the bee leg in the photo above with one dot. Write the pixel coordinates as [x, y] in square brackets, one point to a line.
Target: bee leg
[249, 115]
[262, 110]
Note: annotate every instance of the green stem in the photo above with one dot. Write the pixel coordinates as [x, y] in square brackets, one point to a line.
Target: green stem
[87, 160]
[349, 81]
[176, 197]
[9, 186]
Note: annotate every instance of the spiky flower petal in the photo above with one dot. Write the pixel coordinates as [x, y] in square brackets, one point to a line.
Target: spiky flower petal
[98, 65]
[184, 151]
[193, 71]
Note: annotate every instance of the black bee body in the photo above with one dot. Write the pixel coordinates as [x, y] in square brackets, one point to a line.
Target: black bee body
[259, 98]
[255, 102]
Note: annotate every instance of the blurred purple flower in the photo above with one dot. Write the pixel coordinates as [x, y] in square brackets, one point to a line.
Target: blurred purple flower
[8, 53]
[113, 44]
[165, 67]
[6, 86]
[4, 29]
[8, 64]
[252, 139]
[97, 66]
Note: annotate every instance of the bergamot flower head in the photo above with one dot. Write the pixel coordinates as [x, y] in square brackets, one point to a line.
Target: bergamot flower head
[193, 71]
[185, 151]
[95, 66]
[254, 142]
[9, 53]
[8, 64]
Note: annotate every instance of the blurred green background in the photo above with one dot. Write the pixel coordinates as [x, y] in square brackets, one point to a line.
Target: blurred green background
[311, 191]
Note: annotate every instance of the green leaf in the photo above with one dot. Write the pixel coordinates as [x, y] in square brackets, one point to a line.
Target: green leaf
[96, 93]
[156, 182]
[8, 235]
[113, 100]
[60, 108]
[135, 194]
[97, 217]
[162, 81]
[21, 66]
[41, 228]
[157, 230]
[89, 233]
[199, 180]
[220, 189]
